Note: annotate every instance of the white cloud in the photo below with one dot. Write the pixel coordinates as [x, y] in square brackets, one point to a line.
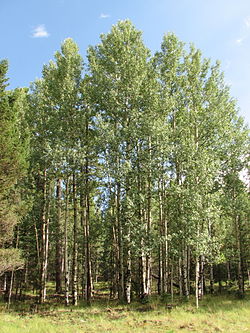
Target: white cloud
[103, 16]
[40, 32]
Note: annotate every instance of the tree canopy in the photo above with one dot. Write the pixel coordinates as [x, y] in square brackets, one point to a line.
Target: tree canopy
[134, 172]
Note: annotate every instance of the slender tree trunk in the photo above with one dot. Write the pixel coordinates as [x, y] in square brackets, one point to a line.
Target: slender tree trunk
[38, 250]
[202, 277]
[144, 216]
[148, 274]
[115, 248]
[240, 260]
[128, 263]
[159, 283]
[181, 226]
[149, 223]
[198, 290]
[86, 219]
[10, 288]
[145, 265]
[164, 241]
[121, 292]
[128, 278]
[12, 273]
[59, 256]
[5, 283]
[143, 272]
[75, 246]
[197, 280]
[141, 217]
[66, 263]
[172, 282]
[115, 262]
[180, 277]
[211, 279]
[188, 266]
[45, 239]
[229, 277]
[86, 216]
[185, 272]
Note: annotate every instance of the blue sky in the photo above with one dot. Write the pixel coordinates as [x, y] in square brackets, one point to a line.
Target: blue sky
[32, 30]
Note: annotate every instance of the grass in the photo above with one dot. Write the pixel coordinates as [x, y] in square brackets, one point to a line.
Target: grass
[222, 313]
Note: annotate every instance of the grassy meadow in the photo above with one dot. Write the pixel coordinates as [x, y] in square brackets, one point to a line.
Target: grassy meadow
[218, 313]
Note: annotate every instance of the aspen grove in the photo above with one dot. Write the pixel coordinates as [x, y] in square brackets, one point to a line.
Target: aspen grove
[130, 169]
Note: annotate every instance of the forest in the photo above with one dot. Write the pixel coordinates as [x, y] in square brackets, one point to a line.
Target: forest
[124, 175]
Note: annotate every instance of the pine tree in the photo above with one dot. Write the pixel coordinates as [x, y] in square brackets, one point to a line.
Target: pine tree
[13, 164]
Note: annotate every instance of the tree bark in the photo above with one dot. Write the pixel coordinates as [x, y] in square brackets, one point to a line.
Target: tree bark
[128, 278]
[128, 263]
[86, 216]
[45, 239]
[115, 262]
[172, 282]
[180, 277]
[211, 279]
[197, 278]
[66, 263]
[164, 242]
[149, 223]
[229, 278]
[59, 256]
[75, 246]
[185, 271]
[12, 272]
[240, 259]
[121, 292]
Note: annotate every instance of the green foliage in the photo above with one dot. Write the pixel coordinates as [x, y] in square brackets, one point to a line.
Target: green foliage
[14, 151]
[156, 148]
[10, 259]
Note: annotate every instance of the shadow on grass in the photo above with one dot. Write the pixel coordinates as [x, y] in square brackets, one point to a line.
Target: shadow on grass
[55, 305]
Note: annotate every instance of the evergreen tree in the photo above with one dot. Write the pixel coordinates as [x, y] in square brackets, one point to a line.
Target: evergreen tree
[13, 164]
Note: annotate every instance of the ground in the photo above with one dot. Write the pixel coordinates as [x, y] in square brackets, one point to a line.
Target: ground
[219, 313]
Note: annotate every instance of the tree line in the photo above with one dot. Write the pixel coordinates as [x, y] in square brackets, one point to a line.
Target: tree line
[125, 169]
